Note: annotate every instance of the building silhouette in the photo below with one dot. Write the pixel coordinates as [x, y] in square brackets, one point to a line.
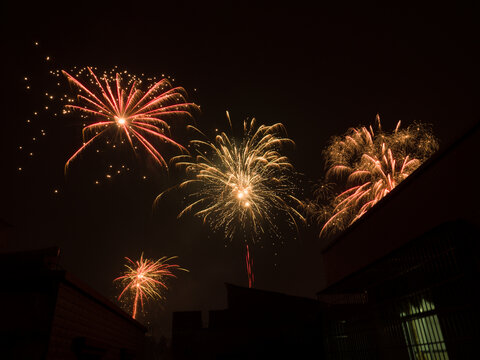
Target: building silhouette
[47, 313]
[256, 324]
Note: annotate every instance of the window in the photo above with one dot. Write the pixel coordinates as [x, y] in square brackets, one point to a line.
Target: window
[422, 332]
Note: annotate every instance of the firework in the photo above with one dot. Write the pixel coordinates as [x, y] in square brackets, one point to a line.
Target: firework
[363, 166]
[144, 279]
[128, 112]
[241, 186]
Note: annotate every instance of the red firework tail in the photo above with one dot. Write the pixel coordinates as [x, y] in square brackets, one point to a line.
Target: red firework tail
[249, 261]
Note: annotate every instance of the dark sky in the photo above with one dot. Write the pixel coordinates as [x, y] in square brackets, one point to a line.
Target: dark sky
[318, 69]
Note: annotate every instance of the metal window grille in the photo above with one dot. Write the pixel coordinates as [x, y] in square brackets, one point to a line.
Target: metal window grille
[421, 302]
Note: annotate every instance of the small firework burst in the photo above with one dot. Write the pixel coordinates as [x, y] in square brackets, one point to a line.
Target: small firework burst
[145, 279]
[121, 110]
[363, 166]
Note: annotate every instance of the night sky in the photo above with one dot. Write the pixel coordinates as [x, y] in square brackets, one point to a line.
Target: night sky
[317, 69]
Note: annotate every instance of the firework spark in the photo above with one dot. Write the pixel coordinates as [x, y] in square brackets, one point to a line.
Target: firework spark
[145, 279]
[127, 111]
[241, 186]
[364, 166]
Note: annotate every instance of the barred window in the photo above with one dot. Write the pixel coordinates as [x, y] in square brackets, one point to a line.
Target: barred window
[422, 332]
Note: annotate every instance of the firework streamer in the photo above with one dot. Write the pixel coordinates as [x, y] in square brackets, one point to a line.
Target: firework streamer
[249, 263]
[128, 112]
[363, 166]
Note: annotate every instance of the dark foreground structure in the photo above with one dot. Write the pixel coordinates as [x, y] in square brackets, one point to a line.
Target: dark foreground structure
[419, 302]
[257, 324]
[49, 314]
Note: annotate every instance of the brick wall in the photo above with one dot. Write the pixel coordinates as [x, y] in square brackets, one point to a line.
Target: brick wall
[80, 315]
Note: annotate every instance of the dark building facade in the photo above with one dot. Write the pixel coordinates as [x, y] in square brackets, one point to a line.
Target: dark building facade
[402, 280]
[257, 324]
[49, 314]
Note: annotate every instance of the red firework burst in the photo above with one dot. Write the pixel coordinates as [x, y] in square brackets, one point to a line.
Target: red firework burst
[129, 111]
[146, 278]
